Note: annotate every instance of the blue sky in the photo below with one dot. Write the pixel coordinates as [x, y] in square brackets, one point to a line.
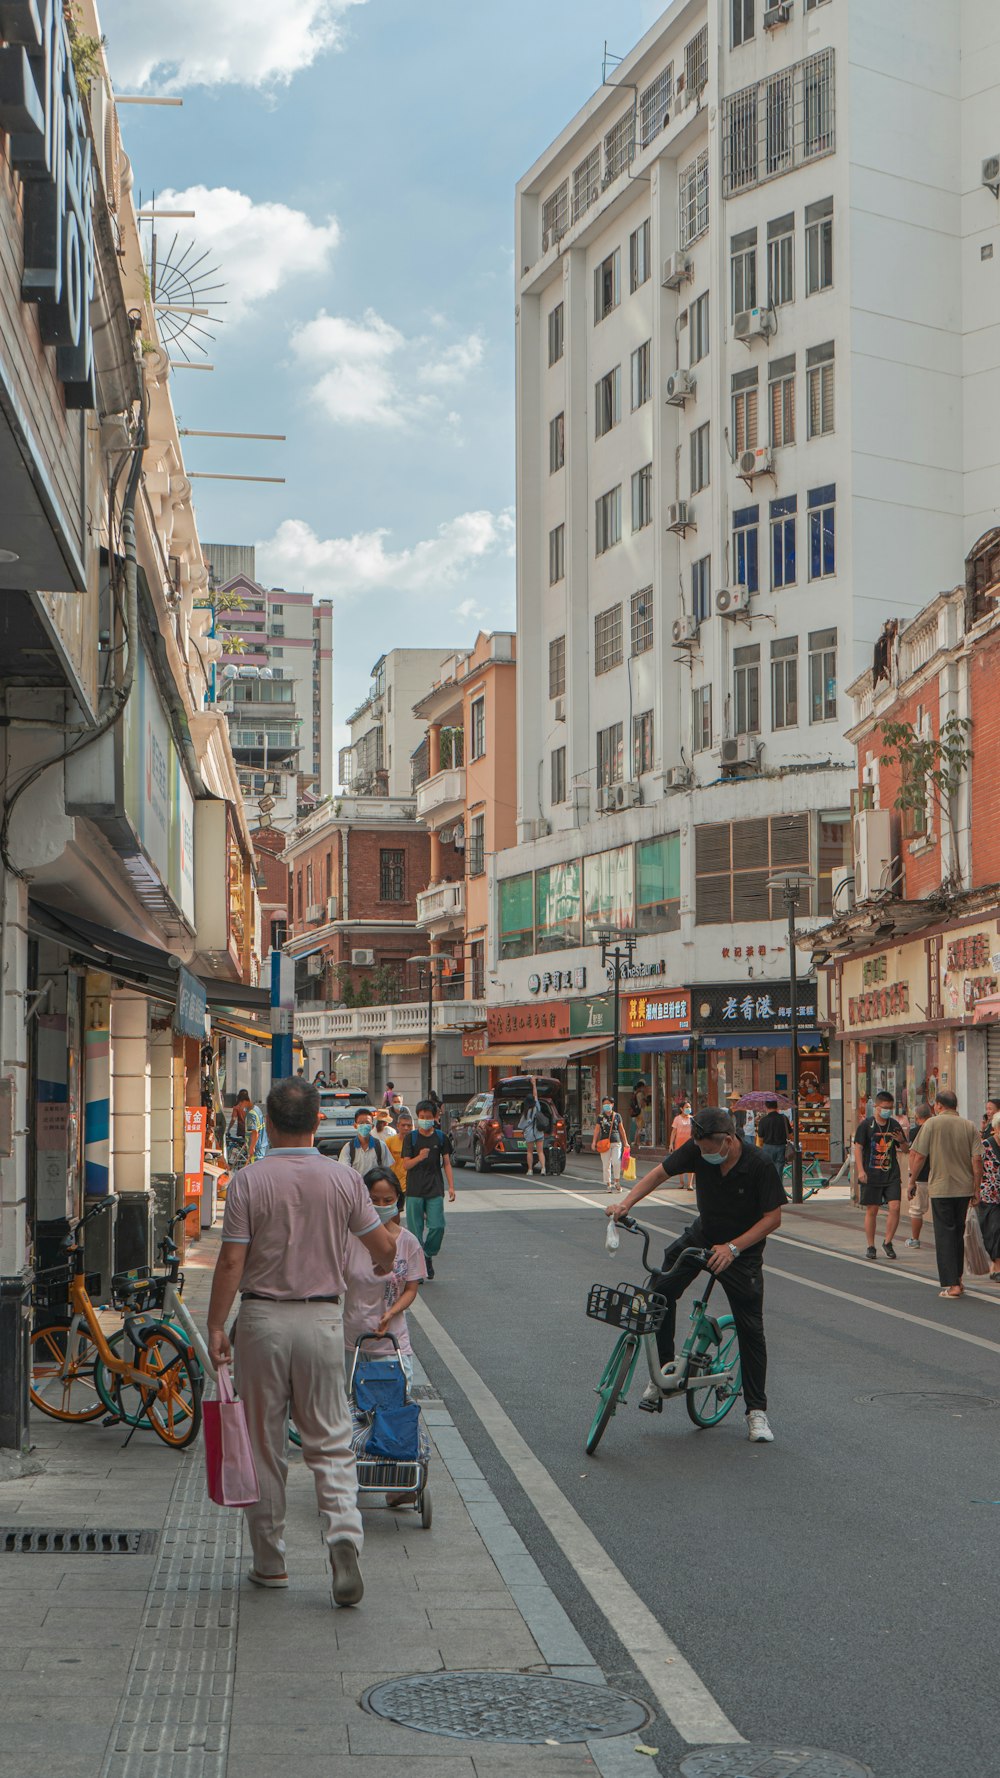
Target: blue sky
[352, 165]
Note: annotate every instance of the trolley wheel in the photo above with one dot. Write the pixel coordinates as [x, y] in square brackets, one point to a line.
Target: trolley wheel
[426, 1508]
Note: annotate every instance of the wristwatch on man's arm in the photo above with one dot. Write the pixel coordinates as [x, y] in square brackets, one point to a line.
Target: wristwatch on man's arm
[734, 1250]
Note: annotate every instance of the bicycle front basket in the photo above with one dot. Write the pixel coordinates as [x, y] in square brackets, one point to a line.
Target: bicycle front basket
[626, 1306]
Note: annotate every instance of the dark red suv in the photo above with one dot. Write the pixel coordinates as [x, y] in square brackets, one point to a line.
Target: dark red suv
[486, 1135]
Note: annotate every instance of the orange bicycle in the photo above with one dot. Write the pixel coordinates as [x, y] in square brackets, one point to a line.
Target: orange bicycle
[76, 1375]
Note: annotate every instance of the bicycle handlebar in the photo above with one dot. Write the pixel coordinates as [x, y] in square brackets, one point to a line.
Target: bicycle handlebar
[701, 1254]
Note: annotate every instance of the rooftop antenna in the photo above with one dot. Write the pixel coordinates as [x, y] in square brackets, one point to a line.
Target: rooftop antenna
[609, 64]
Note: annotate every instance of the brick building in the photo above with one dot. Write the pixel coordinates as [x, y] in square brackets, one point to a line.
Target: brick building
[912, 957]
[273, 885]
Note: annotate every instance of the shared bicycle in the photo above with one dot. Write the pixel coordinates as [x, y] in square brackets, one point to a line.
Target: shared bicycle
[707, 1369]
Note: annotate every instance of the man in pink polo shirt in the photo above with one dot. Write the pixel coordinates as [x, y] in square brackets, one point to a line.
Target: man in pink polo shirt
[284, 1246]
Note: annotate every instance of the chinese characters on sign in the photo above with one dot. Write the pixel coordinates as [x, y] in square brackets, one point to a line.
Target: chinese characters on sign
[879, 1003]
[739, 951]
[192, 1002]
[755, 1007]
[558, 981]
[670, 1011]
[874, 970]
[961, 992]
[762, 1009]
[505, 1022]
[474, 1042]
[971, 952]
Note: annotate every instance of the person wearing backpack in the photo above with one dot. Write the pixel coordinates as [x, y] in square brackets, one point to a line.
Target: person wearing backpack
[364, 1150]
[535, 1123]
[878, 1143]
[426, 1158]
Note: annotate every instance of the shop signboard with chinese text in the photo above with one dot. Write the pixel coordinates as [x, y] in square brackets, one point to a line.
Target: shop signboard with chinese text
[886, 990]
[195, 1125]
[969, 963]
[594, 1017]
[191, 1006]
[535, 1023]
[753, 1007]
[158, 803]
[651, 1014]
[474, 1042]
[558, 981]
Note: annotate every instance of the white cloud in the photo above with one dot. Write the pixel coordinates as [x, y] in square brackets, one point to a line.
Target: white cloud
[218, 42]
[347, 567]
[368, 373]
[257, 247]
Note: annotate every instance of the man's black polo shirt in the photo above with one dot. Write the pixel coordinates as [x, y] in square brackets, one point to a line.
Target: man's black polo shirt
[730, 1203]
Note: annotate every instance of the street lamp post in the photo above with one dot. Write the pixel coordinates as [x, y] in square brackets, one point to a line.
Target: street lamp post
[617, 947]
[791, 885]
[428, 964]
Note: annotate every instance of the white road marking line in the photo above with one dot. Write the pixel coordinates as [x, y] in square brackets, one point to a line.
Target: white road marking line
[682, 1696]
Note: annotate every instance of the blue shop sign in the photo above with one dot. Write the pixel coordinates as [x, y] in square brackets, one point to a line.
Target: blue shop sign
[192, 1005]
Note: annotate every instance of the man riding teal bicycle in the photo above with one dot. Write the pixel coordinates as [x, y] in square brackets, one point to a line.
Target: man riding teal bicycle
[739, 1198]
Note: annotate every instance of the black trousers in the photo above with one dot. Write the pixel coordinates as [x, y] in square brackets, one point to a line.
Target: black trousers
[989, 1222]
[949, 1237]
[743, 1283]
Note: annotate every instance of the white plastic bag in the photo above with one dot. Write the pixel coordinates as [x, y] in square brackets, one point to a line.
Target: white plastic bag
[977, 1260]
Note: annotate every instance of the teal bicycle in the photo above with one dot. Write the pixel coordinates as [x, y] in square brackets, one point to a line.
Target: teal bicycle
[706, 1371]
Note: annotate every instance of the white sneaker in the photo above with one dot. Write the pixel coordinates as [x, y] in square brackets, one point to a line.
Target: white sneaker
[651, 1399]
[910, 1242]
[758, 1429]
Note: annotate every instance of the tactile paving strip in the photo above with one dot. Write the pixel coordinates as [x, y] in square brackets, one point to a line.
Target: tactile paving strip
[771, 1762]
[518, 1707]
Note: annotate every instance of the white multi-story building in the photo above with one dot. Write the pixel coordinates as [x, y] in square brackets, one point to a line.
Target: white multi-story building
[758, 343]
[385, 733]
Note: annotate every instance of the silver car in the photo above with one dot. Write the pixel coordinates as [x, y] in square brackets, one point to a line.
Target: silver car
[338, 1106]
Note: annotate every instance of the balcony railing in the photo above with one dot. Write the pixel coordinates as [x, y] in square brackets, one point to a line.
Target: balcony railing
[332, 1025]
[445, 790]
[445, 902]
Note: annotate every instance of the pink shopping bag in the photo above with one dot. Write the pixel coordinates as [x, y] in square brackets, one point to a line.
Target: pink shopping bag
[229, 1464]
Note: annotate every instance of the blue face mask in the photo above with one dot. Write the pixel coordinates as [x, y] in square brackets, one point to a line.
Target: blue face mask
[386, 1212]
[363, 1129]
[714, 1160]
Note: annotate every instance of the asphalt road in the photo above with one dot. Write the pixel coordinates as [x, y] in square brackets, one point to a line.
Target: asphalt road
[836, 1589]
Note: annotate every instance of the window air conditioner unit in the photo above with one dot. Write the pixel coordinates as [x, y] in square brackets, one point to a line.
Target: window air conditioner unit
[777, 15]
[842, 888]
[314, 911]
[678, 778]
[680, 514]
[314, 964]
[331, 907]
[991, 173]
[676, 269]
[758, 462]
[682, 384]
[754, 324]
[684, 631]
[612, 797]
[362, 959]
[873, 857]
[732, 601]
[560, 709]
[741, 750]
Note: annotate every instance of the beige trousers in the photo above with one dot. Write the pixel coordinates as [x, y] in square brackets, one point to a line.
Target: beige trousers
[290, 1360]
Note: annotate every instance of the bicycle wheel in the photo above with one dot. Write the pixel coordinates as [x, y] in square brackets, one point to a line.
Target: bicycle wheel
[172, 1404]
[708, 1402]
[119, 1396]
[611, 1385]
[73, 1396]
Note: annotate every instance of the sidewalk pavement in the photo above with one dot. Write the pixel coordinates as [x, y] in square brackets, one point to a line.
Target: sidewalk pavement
[169, 1665]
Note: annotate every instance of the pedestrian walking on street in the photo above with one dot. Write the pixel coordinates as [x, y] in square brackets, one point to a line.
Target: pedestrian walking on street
[919, 1202]
[394, 1143]
[426, 1158]
[285, 1234]
[389, 1094]
[680, 1136]
[637, 1109]
[364, 1150]
[878, 1143]
[376, 1301]
[608, 1141]
[256, 1129]
[532, 1122]
[772, 1135]
[953, 1146]
[989, 1200]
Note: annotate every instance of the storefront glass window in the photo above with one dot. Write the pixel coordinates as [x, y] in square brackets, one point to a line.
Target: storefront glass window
[608, 895]
[658, 884]
[557, 907]
[517, 937]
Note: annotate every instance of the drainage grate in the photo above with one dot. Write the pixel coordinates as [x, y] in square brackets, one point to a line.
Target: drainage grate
[61, 1540]
[771, 1762]
[949, 1401]
[518, 1707]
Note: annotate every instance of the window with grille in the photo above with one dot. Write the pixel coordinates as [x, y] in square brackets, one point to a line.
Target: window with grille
[642, 497]
[822, 675]
[743, 271]
[557, 667]
[701, 718]
[746, 530]
[693, 199]
[477, 728]
[607, 285]
[701, 473]
[746, 690]
[779, 123]
[609, 755]
[745, 414]
[781, 261]
[607, 520]
[819, 378]
[783, 526]
[701, 588]
[556, 333]
[392, 876]
[277, 611]
[638, 256]
[781, 393]
[785, 682]
[642, 620]
[698, 329]
[642, 374]
[557, 554]
[654, 104]
[733, 861]
[822, 532]
[555, 216]
[696, 62]
[819, 246]
[619, 147]
[741, 20]
[642, 743]
[607, 401]
[475, 847]
[811, 5]
[277, 629]
[558, 775]
[586, 183]
[557, 443]
[608, 639]
[477, 959]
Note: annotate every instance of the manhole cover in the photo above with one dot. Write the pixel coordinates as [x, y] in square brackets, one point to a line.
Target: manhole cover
[771, 1762]
[60, 1540]
[946, 1401]
[519, 1707]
